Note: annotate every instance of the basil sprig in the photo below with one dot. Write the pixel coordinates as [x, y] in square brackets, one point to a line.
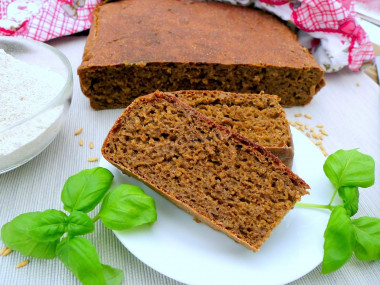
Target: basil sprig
[348, 170]
[54, 233]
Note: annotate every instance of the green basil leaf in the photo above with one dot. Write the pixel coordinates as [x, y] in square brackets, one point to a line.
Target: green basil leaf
[367, 230]
[48, 226]
[79, 224]
[350, 168]
[126, 207]
[339, 241]
[14, 235]
[350, 196]
[84, 190]
[113, 276]
[80, 257]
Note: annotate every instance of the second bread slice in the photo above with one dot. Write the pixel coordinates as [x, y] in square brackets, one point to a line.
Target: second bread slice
[258, 117]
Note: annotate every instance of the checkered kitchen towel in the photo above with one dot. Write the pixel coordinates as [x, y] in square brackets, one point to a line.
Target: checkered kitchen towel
[327, 27]
[43, 20]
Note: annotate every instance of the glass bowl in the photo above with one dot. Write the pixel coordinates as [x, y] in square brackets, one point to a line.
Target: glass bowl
[25, 131]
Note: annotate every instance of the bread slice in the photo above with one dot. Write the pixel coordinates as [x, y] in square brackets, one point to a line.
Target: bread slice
[211, 172]
[138, 46]
[258, 117]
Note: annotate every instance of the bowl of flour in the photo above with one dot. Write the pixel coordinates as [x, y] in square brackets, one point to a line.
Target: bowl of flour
[35, 93]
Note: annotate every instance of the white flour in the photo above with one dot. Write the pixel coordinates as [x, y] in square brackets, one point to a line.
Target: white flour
[25, 89]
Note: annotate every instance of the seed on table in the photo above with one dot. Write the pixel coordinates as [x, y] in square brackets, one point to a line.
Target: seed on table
[81, 143]
[324, 153]
[307, 116]
[7, 251]
[3, 249]
[91, 145]
[318, 143]
[322, 148]
[93, 159]
[297, 115]
[306, 126]
[315, 136]
[308, 135]
[22, 263]
[319, 126]
[78, 131]
[299, 123]
[358, 84]
[292, 123]
[312, 129]
[323, 132]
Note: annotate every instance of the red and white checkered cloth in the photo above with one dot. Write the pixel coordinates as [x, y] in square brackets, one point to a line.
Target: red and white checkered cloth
[43, 20]
[329, 28]
[333, 34]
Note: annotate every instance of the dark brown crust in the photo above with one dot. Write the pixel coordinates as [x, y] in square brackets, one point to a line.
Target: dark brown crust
[252, 148]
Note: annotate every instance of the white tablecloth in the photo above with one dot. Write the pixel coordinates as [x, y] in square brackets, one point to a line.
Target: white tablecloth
[350, 114]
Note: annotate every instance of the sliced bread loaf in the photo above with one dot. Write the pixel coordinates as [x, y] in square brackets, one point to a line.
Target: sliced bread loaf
[138, 46]
[211, 172]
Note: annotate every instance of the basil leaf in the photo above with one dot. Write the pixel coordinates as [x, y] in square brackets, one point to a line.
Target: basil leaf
[350, 196]
[79, 224]
[339, 240]
[126, 207]
[48, 226]
[367, 230]
[350, 168]
[84, 190]
[112, 275]
[80, 257]
[14, 235]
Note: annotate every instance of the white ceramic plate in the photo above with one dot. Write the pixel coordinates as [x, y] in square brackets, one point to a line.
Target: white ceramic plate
[193, 253]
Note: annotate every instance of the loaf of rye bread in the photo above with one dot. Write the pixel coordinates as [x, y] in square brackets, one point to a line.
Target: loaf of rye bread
[218, 176]
[138, 46]
[258, 117]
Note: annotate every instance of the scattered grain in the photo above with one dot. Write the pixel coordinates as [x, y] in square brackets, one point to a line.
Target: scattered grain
[297, 115]
[318, 143]
[7, 251]
[319, 126]
[358, 84]
[315, 136]
[299, 123]
[307, 116]
[323, 132]
[3, 250]
[91, 145]
[325, 153]
[308, 134]
[93, 159]
[322, 148]
[306, 126]
[292, 124]
[312, 129]
[81, 143]
[22, 263]
[302, 128]
[78, 131]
